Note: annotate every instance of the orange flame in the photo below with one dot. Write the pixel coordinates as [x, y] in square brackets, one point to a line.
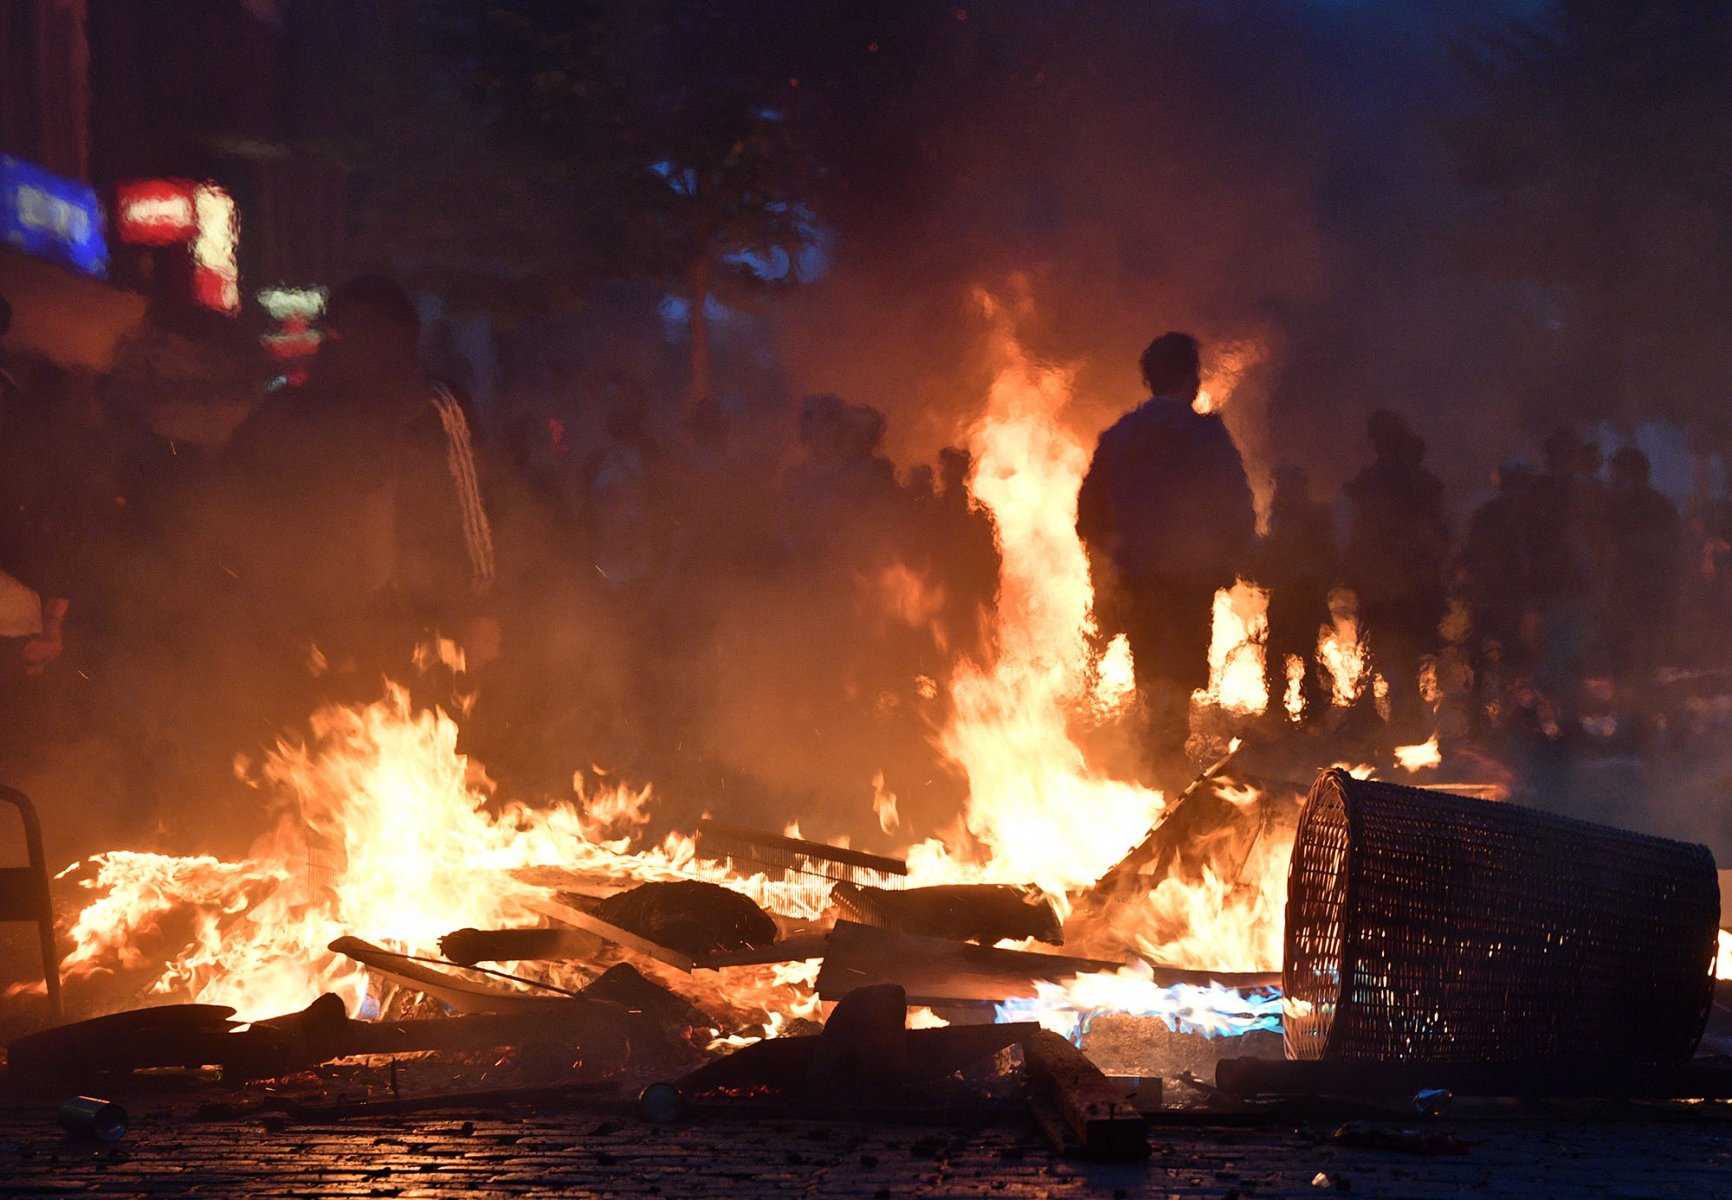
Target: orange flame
[1237, 637]
[1028, 779]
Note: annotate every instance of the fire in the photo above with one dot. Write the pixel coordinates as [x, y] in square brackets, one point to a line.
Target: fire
[1069, 1009]
[1341, 650]
[1228, 364]
[1293, 697]
[1237, 638]
[1115, 681]
[1028, 780]
[1420, 757]
[1723, 964]
[388, 834]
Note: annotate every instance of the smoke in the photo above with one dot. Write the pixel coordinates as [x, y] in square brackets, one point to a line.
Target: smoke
[1250, 173]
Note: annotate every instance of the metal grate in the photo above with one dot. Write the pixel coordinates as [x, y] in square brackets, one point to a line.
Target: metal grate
[1425, 926]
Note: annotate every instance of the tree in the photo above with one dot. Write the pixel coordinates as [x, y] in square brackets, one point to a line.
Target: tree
[656, 134]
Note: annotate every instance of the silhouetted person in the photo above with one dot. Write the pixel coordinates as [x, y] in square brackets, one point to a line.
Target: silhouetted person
[370, 524]
[621, 490]
[1643, 553]
[964, 553]
[1165, 513]
[1563, 529]
[1494, 569]
[1397, 544]
[1297, 562]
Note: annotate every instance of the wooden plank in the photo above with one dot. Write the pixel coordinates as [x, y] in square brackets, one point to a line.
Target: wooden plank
[799, 948]
[717, 841]
[171, 1035]
[466, 947]
[460, 992]
[1103, 1124]
[936, 970]
[608, 931]
[781, 1064]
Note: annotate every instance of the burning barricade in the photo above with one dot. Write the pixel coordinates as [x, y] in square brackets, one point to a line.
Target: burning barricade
[398, 909]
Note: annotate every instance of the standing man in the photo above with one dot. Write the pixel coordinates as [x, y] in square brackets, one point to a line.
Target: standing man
[1397, 544]
[1165, 514]
[368, 526]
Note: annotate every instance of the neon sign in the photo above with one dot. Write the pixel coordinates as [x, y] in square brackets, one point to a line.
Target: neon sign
[47, 216]
[201, 216]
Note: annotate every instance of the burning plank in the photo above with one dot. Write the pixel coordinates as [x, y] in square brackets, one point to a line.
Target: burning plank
[174, 1035]
[983, 912]
[464, 995]
[934, 970]
[720, 842]
[466, 947]
[607, 931]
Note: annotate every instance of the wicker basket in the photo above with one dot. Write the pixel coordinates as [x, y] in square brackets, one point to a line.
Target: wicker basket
[1428, 927]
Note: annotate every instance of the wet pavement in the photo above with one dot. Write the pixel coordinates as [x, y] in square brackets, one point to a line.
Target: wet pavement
[601, 1150]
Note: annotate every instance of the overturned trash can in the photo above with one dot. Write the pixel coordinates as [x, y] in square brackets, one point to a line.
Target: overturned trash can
[1428, 927]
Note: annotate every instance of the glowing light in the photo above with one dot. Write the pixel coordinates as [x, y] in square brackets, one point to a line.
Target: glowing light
[216, 274]
[1420, 757]
[1341, 651]
[1237, 637]
[884, 805]
[1293, 699]
[156, 212]
[1115, 680]
[1069, 1008]
[1226, 366]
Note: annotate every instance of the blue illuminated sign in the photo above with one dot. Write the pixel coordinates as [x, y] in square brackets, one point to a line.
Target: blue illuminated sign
[51, 217]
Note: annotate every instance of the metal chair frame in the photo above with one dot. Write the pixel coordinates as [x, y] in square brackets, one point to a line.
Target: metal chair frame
[24, 893]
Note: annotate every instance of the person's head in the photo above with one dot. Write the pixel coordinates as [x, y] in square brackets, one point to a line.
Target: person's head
[1563, 451]
[371, 332]
[954, 463]
[1392, 438]
[1172, 366]
[1629, 468]
[1512, 476]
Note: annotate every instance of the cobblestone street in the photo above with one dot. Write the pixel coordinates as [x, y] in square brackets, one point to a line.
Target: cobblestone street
[1625, 1153]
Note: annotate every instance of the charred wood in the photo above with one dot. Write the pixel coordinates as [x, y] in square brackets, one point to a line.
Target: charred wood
[466, 947]
[173, 1035]
[542, 1096]
[569, 914]
[1077, 1106]
[982, 913]
[721, 842]
[691, 916]
[460, 993]
[936, 970]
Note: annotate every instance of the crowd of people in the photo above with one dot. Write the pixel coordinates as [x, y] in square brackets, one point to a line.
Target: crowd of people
[1553, 614]
[671, 604]
[774, 616]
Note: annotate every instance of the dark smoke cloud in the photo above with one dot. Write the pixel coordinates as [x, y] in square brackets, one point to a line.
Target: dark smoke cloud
[1241, 170]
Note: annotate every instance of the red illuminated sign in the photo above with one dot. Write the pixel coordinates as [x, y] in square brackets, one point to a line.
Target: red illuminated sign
[200, 216]
[156, 212]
